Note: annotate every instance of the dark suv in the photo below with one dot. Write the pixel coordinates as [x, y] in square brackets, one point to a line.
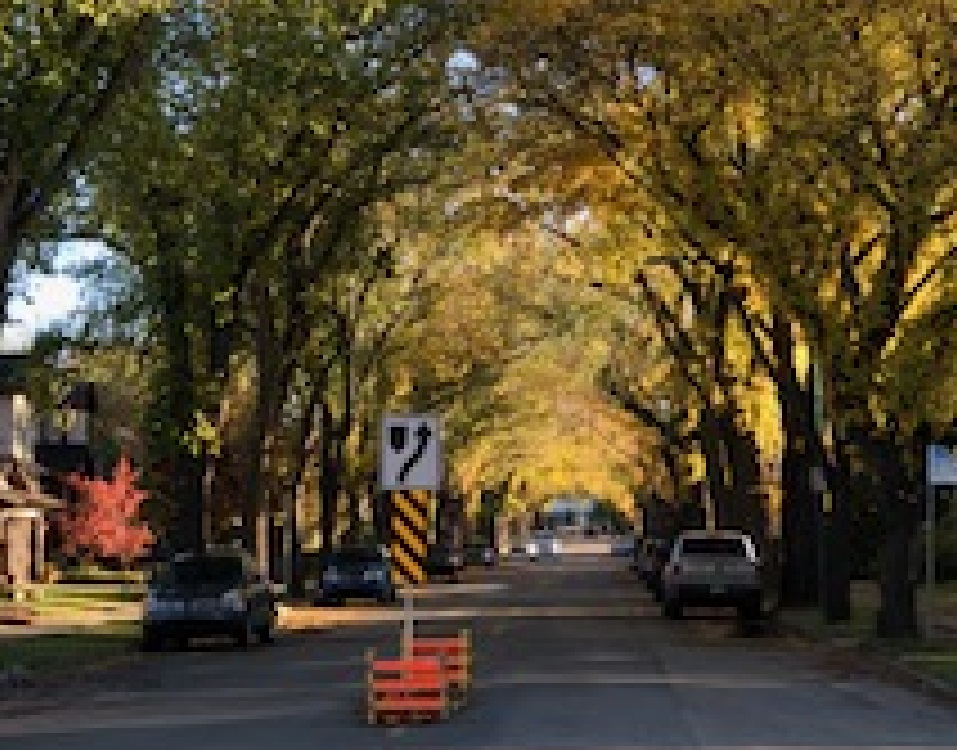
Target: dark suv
[358, 573]
[208, 594]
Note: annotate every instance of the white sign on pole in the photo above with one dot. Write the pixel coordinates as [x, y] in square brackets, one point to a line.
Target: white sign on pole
[941, 465]
[410, 456]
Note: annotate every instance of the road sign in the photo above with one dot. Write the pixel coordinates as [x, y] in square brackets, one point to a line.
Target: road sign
[941, 469]
[409, 452]
[409, 544]
[941, 465]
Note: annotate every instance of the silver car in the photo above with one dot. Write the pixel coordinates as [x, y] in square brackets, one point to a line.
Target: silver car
[712, 569]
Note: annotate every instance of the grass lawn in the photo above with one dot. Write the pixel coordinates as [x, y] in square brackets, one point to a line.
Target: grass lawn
[66, 653]
[69, 599]
[934, 659]
[937, 662]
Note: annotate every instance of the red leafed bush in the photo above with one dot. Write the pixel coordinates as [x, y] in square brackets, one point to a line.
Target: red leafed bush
[104, 520]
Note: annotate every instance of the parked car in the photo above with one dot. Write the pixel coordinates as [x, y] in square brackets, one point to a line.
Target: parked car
[208, 594]
[355, 573]
[718, 568]
[623, 547]
[543, 544]
[480, 554]
[444, 562]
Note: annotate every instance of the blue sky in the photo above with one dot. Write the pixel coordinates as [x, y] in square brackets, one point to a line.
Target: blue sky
[52, 298]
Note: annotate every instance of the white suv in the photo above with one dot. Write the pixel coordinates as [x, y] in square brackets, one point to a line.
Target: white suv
[719, 568]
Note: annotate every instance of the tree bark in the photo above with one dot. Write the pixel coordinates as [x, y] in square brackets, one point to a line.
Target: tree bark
[837, 534]
[187, 469]
[800, 586]
[713, 449]
[329, 484]
[746, 504]
[900, 507]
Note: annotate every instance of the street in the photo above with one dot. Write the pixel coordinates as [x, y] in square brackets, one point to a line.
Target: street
[570, 653]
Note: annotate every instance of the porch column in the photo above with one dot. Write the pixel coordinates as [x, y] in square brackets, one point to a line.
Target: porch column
[39, 547]
[18, 549]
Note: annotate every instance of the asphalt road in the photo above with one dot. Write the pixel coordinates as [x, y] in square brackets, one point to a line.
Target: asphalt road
[569, 654]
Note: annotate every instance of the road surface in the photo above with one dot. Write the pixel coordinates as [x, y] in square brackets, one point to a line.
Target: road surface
[569, 655]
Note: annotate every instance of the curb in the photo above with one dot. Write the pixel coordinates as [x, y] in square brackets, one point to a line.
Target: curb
[867, 658]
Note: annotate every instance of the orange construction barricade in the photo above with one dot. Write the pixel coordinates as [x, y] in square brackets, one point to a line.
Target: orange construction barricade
[406, 689]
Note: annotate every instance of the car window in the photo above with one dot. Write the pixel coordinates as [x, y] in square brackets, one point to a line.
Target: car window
[201, 570]
[724, 547]
[355, 557]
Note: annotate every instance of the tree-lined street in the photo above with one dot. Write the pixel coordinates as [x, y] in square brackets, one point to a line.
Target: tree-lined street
[691, 266]
[613, 675]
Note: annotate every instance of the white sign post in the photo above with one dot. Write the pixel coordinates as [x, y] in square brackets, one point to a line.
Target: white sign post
[941, 470]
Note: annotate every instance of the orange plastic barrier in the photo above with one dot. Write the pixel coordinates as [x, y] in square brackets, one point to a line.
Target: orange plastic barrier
[455, 655]
[406, 689]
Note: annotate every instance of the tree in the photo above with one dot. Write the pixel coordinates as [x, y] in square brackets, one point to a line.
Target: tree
[104, 521]
[331, 112]
[807, 152]
[66, 67]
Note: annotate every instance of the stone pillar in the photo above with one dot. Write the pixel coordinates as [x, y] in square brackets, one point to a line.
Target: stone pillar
[18, 549]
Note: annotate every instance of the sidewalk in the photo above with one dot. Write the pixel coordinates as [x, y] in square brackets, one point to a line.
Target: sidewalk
[929, 666]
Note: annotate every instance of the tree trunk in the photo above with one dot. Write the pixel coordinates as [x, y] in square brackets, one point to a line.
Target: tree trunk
[187, 483]
[381, 514]
[713, 450]
[800, 584]
[746, 506]
[900, 509]
[674, 471]
[329, 485]
[257, 509]
[837, 535]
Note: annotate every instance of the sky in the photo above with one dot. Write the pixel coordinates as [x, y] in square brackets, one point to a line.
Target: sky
[53, 298]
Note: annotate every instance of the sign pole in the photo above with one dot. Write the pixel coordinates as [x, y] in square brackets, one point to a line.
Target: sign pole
[408, 623]
[929, 561]
[410, 465]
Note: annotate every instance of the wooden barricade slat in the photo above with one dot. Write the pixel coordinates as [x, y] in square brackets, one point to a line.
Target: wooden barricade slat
[456, 657]
[406, 688]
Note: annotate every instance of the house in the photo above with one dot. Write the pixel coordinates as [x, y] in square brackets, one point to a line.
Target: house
[33, 453]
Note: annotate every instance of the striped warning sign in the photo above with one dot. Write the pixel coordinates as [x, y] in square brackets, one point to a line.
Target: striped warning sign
[410, 530]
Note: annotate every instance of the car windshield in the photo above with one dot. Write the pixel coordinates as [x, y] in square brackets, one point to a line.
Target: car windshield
[202, 570]
[355, 557]
[727, 547]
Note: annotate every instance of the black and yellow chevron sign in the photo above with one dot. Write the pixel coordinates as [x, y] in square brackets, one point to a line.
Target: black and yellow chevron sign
[410, 536]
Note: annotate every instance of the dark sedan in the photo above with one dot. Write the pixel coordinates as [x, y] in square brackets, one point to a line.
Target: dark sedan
[481, 554]
[444, 562]
[208, 594]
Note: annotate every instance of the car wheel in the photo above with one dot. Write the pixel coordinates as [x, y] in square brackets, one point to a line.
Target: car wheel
[672, 610]
[151, 642]
[268, 634]
[750, 611]
[246, 635]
